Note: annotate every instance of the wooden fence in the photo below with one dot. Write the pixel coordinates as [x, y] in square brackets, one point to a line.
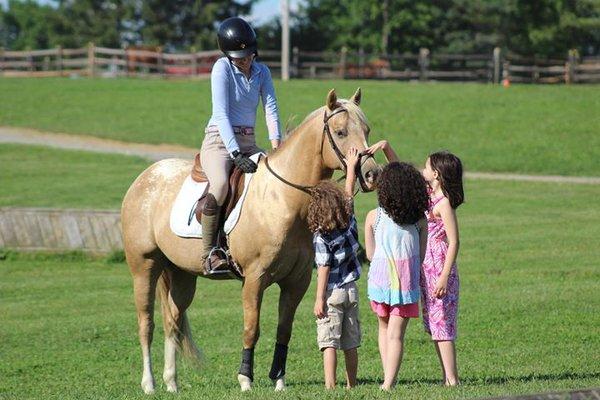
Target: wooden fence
[58, 230]
[345, 64]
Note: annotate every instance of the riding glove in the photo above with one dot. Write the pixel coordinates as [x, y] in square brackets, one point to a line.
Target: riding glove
[244, 163]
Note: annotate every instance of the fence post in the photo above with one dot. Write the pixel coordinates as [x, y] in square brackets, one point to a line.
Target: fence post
[423, 63]
[570, 67]
[127, 63]
[59, 60]
[343, 61]
[496, 74]
[1, 59]
[295, 62]
[506, 73]
[29, 60]
[160, 62]
[194, 62]
[91, 60]
[361, 61]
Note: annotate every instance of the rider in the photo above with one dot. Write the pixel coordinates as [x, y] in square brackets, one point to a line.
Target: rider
[237, 83]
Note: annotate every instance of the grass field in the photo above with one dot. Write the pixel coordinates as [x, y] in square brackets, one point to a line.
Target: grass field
[34, 176]
[529, 315]
[529, 311]
[529, 129]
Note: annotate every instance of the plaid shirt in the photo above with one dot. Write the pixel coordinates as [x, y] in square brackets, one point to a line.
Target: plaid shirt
[337, 250]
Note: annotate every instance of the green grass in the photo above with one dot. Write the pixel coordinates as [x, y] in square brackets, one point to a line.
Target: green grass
[34, 176]
[528, 323]
[528, 129]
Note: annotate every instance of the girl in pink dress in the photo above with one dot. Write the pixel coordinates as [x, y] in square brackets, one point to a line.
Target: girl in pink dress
[439, 274]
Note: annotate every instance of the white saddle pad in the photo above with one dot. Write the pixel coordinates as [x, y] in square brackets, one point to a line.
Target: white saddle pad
[183, 220]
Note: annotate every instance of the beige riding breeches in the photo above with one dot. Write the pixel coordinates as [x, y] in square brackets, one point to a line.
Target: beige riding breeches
[217, 163]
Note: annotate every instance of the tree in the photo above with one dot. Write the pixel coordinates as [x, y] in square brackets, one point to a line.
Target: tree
[27, 24]
[84, 21]
[544, 27]
[178, 24]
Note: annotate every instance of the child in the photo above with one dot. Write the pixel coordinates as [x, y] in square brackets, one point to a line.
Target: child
[395, 239]
[331, 219]
[439, 277]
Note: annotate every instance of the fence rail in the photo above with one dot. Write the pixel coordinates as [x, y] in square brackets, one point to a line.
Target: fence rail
[345, 64]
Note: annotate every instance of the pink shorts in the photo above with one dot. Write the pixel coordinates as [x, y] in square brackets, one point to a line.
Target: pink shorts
[400, 310]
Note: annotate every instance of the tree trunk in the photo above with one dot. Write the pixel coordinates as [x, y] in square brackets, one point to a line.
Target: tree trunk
[385, 28]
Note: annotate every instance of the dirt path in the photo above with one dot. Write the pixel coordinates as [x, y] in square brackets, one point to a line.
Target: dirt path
[155, 152]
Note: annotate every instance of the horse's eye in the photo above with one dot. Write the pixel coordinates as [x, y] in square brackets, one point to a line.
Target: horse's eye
[341, 134]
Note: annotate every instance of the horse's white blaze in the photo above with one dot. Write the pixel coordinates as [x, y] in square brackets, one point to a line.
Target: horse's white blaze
[170, 372]
[245, 382]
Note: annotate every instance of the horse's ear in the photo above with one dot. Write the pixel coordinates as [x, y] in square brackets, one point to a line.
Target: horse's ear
[331, 100]
[356, 97]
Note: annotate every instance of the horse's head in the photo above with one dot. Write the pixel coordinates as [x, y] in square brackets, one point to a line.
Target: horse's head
[345, 126]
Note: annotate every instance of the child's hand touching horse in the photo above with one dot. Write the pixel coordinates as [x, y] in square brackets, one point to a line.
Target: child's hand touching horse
[352, 157]
[384, 145]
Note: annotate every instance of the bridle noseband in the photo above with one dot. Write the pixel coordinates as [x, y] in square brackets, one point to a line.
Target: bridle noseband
[338, 153]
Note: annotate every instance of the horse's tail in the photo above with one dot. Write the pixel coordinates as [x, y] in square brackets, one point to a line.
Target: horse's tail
[183, 332]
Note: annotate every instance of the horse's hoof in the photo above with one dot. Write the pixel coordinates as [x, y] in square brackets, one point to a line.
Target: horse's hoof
[279, 384]
[148, 386]
[171, 387]
[170, 382]
[245, 382]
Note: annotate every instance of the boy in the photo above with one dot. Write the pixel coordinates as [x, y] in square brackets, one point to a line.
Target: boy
[331, 219]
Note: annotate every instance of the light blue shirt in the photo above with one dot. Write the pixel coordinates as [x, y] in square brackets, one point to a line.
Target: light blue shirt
[235, 100]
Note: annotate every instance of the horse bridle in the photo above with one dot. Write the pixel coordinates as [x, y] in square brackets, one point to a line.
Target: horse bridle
[338, 153]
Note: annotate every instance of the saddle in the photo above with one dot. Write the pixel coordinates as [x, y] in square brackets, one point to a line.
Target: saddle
[235, 189]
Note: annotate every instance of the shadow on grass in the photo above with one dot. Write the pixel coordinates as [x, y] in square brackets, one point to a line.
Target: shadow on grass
[475, 381]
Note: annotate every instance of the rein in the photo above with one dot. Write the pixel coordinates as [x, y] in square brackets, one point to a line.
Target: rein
[338, 153]
[305, 189]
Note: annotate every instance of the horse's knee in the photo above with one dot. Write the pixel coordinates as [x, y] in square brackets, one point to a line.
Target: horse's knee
[146, 326]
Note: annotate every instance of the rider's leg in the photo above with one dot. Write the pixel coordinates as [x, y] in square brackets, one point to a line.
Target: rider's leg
[216, 164]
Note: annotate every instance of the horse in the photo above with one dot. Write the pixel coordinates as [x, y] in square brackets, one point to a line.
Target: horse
[271, 241]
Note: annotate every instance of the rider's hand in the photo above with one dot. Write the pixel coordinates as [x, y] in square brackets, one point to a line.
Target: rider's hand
[382, 144]
[244, 163]
[352, 157]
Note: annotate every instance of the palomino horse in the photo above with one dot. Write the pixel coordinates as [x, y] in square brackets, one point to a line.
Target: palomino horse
[271, 241]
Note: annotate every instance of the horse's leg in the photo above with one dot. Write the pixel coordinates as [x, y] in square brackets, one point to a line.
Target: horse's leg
[252, 294]
[292, 292]
[145, 273]
[178, 294]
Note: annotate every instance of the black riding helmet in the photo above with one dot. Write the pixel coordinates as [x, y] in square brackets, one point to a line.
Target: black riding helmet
[236, 38]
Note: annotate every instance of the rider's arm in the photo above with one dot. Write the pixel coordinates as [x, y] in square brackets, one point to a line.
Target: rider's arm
[269, 101]
[219, 80]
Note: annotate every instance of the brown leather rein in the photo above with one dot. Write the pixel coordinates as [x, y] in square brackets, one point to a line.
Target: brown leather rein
[338, 153]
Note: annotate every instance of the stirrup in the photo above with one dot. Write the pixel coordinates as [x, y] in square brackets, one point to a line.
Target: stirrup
[207, 261]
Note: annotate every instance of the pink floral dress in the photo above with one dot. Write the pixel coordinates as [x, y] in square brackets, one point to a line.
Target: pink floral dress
[439, 315]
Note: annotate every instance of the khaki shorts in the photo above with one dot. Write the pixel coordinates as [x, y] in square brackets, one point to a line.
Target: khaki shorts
[340, 329]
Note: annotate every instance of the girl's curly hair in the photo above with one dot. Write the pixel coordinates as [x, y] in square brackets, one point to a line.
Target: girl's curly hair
[329, 208]
[402, 193]
[450, 174]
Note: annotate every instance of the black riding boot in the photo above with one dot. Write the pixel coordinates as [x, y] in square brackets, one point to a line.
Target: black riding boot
[211, 260]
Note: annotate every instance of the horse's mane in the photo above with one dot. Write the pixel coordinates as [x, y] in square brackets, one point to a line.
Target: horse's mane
[347, 104]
